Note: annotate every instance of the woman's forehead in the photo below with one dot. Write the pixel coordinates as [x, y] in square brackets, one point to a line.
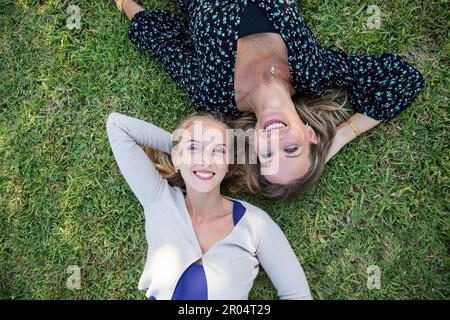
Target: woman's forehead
[205, 130]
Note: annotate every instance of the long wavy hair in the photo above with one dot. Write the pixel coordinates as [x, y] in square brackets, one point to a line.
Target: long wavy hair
[239, 177]
[323, 115]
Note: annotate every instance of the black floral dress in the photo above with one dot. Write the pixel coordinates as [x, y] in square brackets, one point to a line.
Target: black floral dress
[198, 50]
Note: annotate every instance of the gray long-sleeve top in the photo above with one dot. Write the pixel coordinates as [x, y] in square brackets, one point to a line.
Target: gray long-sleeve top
[232, 264]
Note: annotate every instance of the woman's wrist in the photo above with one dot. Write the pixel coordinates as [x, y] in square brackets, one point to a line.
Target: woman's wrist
[345, 133]
[354, 127]
[349, 130]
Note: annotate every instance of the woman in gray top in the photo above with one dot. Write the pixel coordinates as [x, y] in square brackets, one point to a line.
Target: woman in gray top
[201, 244]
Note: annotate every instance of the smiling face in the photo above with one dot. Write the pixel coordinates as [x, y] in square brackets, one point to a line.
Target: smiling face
[202, 154]
[283, 142]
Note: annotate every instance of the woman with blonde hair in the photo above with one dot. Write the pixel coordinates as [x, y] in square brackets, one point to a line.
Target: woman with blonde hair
[257, 60]
[201, 244]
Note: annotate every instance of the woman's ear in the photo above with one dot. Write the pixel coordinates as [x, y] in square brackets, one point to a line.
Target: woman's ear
[311, 134]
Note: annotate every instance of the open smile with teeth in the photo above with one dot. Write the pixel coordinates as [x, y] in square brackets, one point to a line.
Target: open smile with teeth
[275, 125]
[204, 174]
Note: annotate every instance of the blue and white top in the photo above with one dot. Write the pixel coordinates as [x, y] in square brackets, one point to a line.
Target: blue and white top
[192, 284]
[230, 266]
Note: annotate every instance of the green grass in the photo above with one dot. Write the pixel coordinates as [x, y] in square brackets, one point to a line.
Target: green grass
[382, 201]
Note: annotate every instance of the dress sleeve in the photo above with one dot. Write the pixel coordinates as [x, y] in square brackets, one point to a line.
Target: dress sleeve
[379, 86]
[280, 263]
[165, 35]
[125, 133]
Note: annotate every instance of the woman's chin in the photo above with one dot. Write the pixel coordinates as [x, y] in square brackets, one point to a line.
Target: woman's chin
[204, 186]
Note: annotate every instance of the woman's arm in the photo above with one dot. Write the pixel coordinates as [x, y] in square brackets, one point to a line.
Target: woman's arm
[280, 263]
[125, 133]
[379, 87]
[345, 133]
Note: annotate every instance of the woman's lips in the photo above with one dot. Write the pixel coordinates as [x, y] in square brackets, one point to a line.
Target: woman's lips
[204, 174]
[274, 124]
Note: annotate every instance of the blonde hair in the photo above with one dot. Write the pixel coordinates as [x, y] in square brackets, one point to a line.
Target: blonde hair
[236, 180]
[323, 115]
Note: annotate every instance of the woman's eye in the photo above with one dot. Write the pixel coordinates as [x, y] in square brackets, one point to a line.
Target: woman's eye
[219, 150]
[193, 147]
[266, 154]
[291, 149]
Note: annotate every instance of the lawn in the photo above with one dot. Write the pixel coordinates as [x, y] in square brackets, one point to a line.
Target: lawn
[382, 201]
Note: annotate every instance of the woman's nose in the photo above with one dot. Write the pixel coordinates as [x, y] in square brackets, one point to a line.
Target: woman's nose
[206, 158]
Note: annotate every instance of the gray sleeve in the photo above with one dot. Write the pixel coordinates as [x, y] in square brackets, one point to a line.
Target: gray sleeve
[280, 263]
[125, 133]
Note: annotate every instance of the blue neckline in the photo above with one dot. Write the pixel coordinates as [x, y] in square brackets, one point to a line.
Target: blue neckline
[238, 211]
